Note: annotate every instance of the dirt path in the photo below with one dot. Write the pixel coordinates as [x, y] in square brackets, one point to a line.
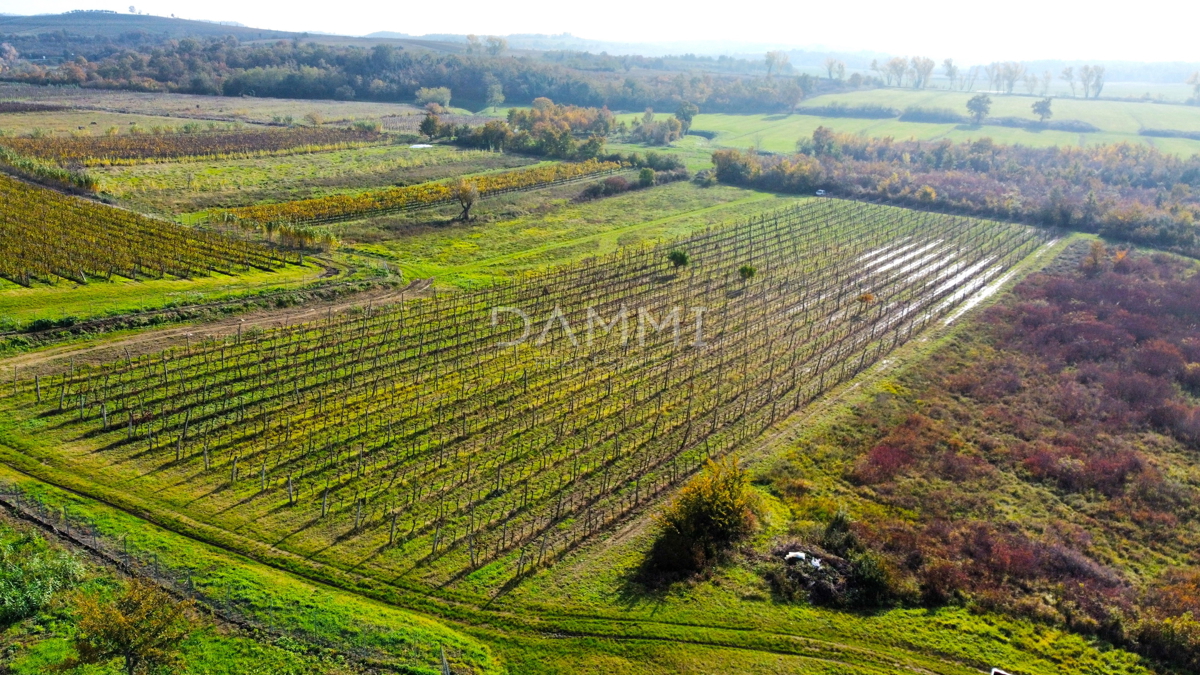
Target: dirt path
[104, 349]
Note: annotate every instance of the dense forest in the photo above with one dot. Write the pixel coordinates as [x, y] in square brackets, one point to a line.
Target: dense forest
[297, 69]
[1129, 192]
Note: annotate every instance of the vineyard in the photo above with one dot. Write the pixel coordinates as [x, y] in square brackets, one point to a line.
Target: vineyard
[125, 149]
[447, 438]
[390, 200]
[44, 235]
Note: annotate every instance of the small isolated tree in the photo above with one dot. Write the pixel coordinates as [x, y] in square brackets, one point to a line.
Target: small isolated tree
[1094, 261]
[1194, 80]
[466, 193]
[495, 95]
[747, 272]
[1042, 109]
[979, 106]
[438, 95]
[496, 45]
[678, 258]
[685, 113]
[431, 126]
[143, 626]
[712, 512]
[315, 118]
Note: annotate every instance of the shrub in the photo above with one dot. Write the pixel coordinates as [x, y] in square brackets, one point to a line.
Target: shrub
[30, 574]
[712, 512]
[678, 258]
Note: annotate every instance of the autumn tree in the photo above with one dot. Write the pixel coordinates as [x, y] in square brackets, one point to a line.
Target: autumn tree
[496, 45]
[896, 68]
[466, 194]
[474, 45]
[922, 69]
[979, 106]
[143, 626]
[1042, 109]
[712, 512]
[1068, 74]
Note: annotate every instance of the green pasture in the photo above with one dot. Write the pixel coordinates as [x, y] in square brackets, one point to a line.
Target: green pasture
[1118, 120]
[530, 231]
[19, 306]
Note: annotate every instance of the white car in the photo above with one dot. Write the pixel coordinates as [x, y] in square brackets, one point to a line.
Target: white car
[820, 193]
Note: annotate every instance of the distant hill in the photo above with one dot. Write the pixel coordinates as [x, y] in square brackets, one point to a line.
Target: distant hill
[113, 25]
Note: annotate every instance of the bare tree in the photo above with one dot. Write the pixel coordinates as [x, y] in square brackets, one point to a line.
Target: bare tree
[993, 72]
[1068, 74]
[776, 60]
[951, 71]
[968, 83]
[1011, 72]
[1097, 81]
[1194, 80]
[1085, 78]
[1047, 78]
[835, 68]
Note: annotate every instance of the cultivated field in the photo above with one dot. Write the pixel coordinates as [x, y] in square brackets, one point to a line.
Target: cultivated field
[409, 440]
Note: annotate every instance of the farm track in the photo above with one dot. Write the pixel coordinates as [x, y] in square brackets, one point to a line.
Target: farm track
[408, 441]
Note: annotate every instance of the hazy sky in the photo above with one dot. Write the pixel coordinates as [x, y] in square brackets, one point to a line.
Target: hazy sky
[1146, 30]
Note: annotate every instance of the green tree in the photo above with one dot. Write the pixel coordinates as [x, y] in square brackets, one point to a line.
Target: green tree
[431, 126]
[678, 258]
[979, 106]
[495, 95]
[1042, 109]
[646, 177]
[685, 113]
[143, 626]
[438, 95]
[747, 272]
[776, 61]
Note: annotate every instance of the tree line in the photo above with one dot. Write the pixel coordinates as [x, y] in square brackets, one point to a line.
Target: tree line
[297, 69]
[1130, 192]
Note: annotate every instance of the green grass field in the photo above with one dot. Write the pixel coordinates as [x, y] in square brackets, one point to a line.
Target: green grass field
[525, 232]
[1118, 120]
[19, 306]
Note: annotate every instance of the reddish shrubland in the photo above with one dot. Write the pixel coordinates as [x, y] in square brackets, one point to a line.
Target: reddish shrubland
[1045, 465]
